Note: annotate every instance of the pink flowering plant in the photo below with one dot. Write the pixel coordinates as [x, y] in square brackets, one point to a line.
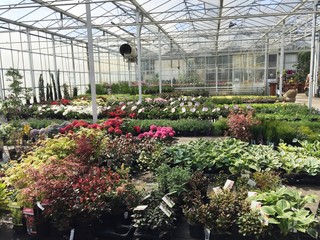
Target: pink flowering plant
[158, 132]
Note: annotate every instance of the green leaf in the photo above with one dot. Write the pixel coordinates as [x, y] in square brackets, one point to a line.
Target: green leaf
[273, 221]
[302, 213]
[313, 233]
[283, 204]
[285, 215]
[268, 210]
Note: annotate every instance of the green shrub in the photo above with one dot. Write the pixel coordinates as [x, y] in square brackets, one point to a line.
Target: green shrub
[172, 179]
[101, 89]
[182, 127]
[220, 127]
[124, 88]
[4, 198]
[275, 130]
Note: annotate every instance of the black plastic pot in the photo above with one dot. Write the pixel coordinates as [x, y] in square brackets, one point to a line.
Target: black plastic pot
[121, 232]
[196, 231]
[220, 236]
[143, 234]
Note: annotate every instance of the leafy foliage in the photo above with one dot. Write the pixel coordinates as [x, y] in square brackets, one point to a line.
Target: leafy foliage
[239, 124]
[285, 208]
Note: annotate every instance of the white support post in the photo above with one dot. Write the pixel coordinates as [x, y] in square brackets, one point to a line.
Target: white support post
[31, 65]
[99, 65]
[1, 79]
[160, 63]
[282, 60]
[109, 67]
[139, 53]
[22, 58]
[130, 73]
[312, 58]
[316, 66]
[91, 63]
[54, 55]
[73, 67]
[266, 64]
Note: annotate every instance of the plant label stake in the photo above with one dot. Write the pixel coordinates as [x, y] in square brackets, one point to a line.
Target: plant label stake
[72, 234]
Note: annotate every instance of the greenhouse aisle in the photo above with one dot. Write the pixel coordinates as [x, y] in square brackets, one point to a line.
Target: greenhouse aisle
[301, 98]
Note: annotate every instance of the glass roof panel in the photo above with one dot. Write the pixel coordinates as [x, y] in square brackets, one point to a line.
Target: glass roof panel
[184, 25]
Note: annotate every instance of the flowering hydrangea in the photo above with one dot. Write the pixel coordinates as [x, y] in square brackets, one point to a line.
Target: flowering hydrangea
[158, 132]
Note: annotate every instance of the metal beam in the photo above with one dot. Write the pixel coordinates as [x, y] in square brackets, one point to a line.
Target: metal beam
[59, 10]
[148, 16]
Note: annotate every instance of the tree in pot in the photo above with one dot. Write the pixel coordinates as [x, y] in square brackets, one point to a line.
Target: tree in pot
[250, 223]
[154, 222]
[193, 198]
[192, 212]
[220, 214]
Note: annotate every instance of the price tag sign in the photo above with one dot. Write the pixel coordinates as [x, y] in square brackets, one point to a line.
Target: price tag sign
[217, 190]
[168, 201]
[251, 183]
[228, 184]
[165, 210]
[140, 208]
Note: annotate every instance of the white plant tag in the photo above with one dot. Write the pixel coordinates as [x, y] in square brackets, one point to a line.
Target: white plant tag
[40, 206]
[255, 205]
[229, 184]
[264, 219]
[251, 194]
[71, 234]
[168, 201]
[217, 190]
[245, 175]
[165, 210]
[140, 208]
[251, 183]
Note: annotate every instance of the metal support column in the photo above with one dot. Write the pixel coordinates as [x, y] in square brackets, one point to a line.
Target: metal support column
[54, 55]
[2, 93]
[160, 63]
[316, 66]
[282, 59]
[31, 67]
[99, 66]
[139, 52]
[313, 51]
[130, 73]
[73, 66]
[91, 63]
[109, 67]
[266, 64]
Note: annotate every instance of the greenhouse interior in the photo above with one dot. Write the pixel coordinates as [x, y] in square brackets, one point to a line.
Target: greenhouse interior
[159, 119]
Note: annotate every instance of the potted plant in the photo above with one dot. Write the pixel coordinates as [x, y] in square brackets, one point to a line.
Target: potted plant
[220, 214]
[192, 213]
[172, 179]
[250, 224]
[155, 221]
[287, 213]
[193, 198]
[4, 198]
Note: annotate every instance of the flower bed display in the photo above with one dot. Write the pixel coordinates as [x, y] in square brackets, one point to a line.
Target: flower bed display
[88, 174]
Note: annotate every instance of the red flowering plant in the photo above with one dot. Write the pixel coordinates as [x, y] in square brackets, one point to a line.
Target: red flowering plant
[62, 101]
[158, 132]
[118, 112]
[77, 124]
[113, 125]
